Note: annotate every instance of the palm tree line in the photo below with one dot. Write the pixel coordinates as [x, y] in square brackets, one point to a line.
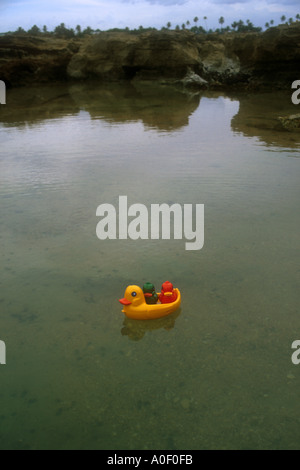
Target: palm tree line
[236, 26]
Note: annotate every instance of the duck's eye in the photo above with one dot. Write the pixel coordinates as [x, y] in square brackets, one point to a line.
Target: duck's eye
[134, 294]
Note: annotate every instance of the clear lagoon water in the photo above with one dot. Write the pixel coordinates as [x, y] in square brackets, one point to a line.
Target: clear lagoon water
[217, 374]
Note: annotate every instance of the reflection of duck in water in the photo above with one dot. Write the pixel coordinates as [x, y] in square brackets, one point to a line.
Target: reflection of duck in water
[135, 306]
[136, 329]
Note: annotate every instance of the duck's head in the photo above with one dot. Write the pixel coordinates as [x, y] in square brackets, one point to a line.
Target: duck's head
[134, 297]
[167, 286]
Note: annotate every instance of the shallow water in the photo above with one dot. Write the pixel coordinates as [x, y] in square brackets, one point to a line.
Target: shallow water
[218, 373]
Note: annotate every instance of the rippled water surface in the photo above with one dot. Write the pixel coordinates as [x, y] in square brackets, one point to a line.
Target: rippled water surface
[218, 373]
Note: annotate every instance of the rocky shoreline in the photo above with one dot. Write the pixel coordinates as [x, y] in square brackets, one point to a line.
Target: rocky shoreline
[250, 61]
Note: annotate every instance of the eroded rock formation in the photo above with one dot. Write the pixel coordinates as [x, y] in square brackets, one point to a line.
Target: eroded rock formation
[247, 60]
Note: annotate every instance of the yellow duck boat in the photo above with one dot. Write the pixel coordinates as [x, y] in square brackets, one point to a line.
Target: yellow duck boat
[135, 306]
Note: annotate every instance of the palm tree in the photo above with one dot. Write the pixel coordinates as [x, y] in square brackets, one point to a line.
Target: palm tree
[188, 23]
[169, 25]
[250, 26]
[267, 25]
[283, 18]
[241, 23]
[45, 29]
[221, 21]
[271, 22]
[78, 29]
[196, 19]
[183, 25]
[205, 19]
[298, 17]
[35, 30]
[20, 30]
[61, 30]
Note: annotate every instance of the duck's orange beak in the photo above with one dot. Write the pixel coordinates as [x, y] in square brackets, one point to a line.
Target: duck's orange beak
[124, 302]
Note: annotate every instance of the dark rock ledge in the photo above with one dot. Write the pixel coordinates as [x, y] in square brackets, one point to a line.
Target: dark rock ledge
[268, 60]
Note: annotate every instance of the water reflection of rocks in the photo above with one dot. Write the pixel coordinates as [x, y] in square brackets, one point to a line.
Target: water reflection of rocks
[136, 329]
[260, 115]
[32, 106]
[158, 107]
[163, 108]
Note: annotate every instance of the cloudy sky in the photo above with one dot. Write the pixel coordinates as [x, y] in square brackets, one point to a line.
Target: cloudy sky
[105, 14]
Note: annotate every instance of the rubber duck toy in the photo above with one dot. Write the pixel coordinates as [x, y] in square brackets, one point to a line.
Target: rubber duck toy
[135, 306]
[150, 294]
[168, 293]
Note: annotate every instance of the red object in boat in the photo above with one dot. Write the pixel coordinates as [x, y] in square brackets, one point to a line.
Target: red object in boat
[168, 293]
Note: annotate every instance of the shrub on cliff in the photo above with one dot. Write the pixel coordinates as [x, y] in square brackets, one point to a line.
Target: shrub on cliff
[62, 32]
[34, 31]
